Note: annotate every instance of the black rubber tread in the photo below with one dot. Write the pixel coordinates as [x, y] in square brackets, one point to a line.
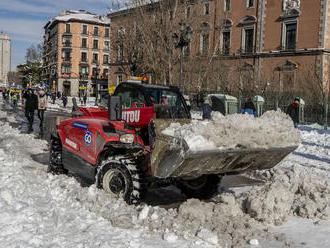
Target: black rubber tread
[55, 166]
[206, 191]
[133, 176]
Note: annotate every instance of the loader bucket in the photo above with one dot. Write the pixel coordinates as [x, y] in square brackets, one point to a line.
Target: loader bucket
[172, 158]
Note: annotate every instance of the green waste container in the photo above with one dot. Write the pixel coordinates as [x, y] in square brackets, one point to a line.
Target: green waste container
[259, 102]
[225, 104]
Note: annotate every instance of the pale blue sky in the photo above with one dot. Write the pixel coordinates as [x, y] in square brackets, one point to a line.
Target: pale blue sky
[23, 20]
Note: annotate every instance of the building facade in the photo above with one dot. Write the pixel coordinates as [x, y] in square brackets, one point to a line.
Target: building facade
[252, 45]
[76, 53]
[5, 58]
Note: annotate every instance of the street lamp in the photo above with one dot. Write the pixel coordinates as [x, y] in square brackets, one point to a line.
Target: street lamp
[97, 73]
[182, 40]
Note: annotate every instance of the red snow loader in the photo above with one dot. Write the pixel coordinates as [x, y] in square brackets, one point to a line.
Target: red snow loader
[122, 148]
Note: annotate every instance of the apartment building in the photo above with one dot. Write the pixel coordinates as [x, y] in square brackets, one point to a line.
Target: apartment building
[5, 58]
[76, 53]
[274, 44]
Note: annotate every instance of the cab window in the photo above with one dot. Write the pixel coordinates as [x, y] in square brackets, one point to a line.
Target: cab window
[131, 98]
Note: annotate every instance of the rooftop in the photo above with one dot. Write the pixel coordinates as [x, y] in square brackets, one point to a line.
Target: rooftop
[79, 15]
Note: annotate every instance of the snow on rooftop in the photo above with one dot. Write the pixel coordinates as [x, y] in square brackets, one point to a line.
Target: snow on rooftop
[81, 15]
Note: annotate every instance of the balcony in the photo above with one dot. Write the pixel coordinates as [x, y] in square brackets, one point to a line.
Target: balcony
[83, 75]
[67, 33]
[95, 62]
[67, 44]
[67, 59]
[83, 62]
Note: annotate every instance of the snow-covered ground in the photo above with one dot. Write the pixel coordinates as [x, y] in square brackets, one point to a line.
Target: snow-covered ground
[292, 207]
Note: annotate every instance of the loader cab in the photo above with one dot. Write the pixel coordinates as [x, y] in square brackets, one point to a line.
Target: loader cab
[165, 102]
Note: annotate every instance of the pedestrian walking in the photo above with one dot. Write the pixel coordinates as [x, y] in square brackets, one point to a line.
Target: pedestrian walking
[53, 96]
[64, 100]
[206, 110]
[42, 106]
[14, 100]
[85, 99]
[31, 104]
[293, 111]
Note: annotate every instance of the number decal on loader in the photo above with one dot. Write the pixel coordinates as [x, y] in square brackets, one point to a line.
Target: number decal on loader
[88, 138]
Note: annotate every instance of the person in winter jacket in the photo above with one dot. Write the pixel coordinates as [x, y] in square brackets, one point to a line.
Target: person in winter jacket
[249, 108]
[293, 111]
[31, 104]
[64, 100]
[85, 98]
[53, 96]
[14, 100]
[42, 106]
[206, 110]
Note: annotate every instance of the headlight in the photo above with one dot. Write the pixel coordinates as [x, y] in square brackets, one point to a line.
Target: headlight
[127, 138]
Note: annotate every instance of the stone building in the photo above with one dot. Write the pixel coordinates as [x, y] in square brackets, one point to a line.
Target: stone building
[252, 45]
[76, 53]
[5, 58]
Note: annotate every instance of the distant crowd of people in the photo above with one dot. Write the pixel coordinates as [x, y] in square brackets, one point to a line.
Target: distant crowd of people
[35, 99]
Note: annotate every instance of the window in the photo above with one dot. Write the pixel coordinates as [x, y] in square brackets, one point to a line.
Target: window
[206, 8]
[96, 31]
[227, 5]
[204, 44]
[105, 73]
[95, 44]
[106, 45]
[84, 42]
[84, 70]
[107, 33]
[84, 29]
[290, 36]
[250, 3]
[120, 52]
[119, 79]
[95, 58]
[288, 81]
[225, 42]
[248, 40]
[95, 72]
[188, 9]
[130, 97]
[84, 57]
[67, 56]
[66, 69]
[67, 42]
[105, 59]
[67, 28]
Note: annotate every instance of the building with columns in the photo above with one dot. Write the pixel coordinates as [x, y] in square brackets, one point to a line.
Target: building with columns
[5, 58]
[76, 53]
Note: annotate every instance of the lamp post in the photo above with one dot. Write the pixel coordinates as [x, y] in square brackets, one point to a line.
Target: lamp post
[96, 76]
[182, 40]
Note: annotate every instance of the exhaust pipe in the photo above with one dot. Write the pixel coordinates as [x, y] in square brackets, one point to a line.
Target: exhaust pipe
[114, 108]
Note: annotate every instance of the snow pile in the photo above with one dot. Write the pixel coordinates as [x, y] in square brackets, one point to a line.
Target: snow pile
[273, 129]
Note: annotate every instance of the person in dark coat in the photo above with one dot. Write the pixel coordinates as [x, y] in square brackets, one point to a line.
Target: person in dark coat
[53, 95]
[293, 111]
[206, 110]
[64, 100]
[249, 108]
[85, 98]
[31, 105]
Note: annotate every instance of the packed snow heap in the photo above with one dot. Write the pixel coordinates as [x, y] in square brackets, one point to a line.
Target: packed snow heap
[272, 129]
